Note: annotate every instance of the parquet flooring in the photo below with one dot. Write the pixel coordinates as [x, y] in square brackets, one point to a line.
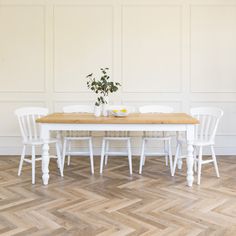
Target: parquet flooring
[115, 203]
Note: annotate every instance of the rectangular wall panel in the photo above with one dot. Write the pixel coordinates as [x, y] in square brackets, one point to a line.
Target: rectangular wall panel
[83, 44]
[151, 49]
[213, 48]
[22, 48]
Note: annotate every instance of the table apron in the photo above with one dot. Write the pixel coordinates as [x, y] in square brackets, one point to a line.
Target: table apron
[116, 127]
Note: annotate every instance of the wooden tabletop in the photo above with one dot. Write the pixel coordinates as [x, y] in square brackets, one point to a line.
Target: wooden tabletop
[135, 118]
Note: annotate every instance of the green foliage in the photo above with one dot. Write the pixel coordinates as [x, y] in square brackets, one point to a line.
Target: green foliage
[102, 86]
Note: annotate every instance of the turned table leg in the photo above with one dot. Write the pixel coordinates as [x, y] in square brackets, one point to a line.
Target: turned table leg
[190, 161]
[45, 154]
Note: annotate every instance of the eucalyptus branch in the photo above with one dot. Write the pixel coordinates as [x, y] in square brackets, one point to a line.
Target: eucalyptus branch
[102, 86]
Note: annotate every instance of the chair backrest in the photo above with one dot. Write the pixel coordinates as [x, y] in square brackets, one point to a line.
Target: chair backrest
[78, 109]
[155, 109]
[27, 117]
[209, 118]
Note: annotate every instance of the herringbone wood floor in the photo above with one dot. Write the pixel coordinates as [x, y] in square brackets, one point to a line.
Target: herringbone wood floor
[115, 203]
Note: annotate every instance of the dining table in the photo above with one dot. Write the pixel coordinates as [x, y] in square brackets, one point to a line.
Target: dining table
[133, 122]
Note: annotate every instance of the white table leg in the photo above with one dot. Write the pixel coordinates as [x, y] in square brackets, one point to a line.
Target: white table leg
[190, 161]
[60, 138]
[45, 155]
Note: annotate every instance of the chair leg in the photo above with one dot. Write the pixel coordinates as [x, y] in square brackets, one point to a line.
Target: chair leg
[58, 154]
[102, 156]
[33, 164]
[69, 149]
[64, 154]
[180, 161]
[166, 152]
[199, 166]
[129, 157]
[142, 157]
[214, 161]
[91, 155]
[106, 152]
[59, 159]
[176, 158]
[170, 158]
[21, 160]
[195, 158]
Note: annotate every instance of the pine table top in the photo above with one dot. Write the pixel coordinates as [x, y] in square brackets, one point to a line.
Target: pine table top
[134, 118]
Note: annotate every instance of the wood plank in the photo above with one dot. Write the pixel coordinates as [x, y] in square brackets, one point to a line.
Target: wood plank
[116, 204]
[135, 118]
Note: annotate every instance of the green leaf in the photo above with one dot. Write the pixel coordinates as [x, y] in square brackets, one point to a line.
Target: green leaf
[89, 75]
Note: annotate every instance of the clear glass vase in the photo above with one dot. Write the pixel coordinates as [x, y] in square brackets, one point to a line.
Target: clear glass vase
[105, 107]
[97, 110]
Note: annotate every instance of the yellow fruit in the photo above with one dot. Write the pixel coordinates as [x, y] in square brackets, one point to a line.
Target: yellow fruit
[124, 110]
[115, 111]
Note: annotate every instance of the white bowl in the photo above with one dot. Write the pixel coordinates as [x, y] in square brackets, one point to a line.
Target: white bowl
[119, 113]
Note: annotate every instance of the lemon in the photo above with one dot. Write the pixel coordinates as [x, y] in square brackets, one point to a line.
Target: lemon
[124, 110]
[115, 111]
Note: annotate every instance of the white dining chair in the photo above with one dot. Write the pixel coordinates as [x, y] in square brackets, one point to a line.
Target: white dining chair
[112, 137]
[73, 136]
[154, 136]
[205, 132]
[30, 132]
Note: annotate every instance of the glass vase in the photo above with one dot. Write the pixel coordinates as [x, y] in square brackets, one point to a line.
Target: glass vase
[105, 107]
[97, 111]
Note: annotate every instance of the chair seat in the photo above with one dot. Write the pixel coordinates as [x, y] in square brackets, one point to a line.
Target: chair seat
[202, 143]
[196, 142]
[40, 141]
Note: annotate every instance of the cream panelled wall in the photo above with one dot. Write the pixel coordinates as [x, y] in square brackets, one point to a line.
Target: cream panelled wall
[176, 52]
